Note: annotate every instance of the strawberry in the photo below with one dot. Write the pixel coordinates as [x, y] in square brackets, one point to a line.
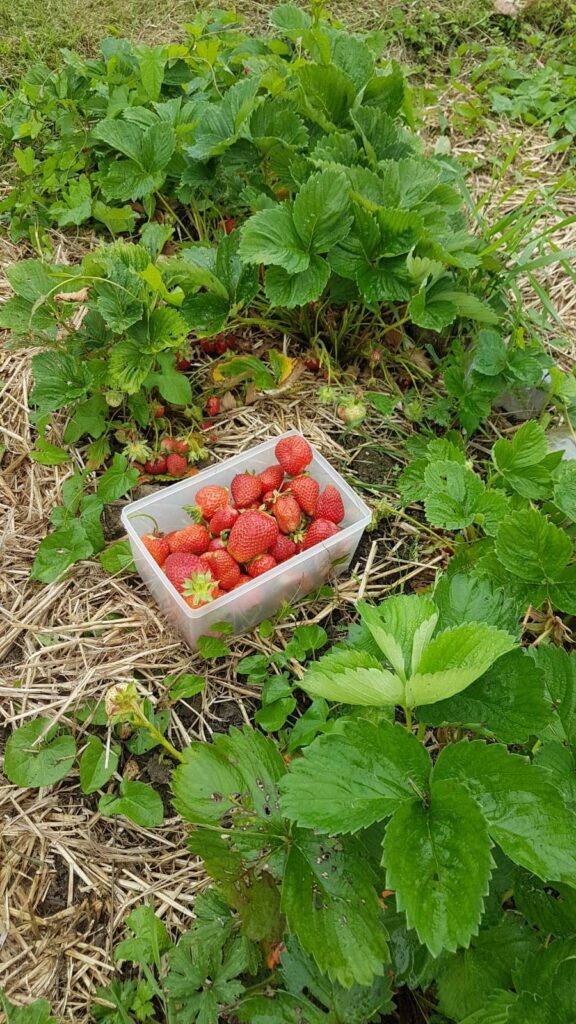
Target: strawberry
[283, 549]
[223, 568]
[261, 564]
[229, 225]
[221, 345]
[306, 491]
[268, 499]
[243, 579]
[271, 477]
[158, 410]
[287, 513]
[293, 454]
[208, 345]
[182, 363]
[176, 465]
[223, 519]
[180, 566]
[312, 363]
[180, 445]
[200, 588]
[213, 406]
[167, 443]
[230, 342]
[330, 505]
[319, 530]
[208, 500]
[193, 539]
[217, 544]
[158, 547]
[252, 534]
[246, 489]
[156, 465]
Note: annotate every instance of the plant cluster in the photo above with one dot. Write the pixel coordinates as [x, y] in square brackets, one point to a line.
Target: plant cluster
[365, 858]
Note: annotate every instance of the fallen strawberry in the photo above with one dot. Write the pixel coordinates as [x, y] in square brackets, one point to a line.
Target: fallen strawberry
[208, 500]
[293, 454]
[319, 530]
[271, 477]
[180, 566]
[223, 519]
[252, 534]
[283, 549]
[306, 490]
[287, 513]
[261, 564]
[330, 505]
[156, 466]
[246, 489]
[223, 568]
[176, 465]
[193, 539]
[213, 406]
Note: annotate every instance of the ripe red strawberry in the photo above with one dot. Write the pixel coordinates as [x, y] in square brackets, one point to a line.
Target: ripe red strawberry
[261, 564]
[287, 513]
[243, 579]
[223, 568]
[193, 539]
[271, 477]
[330, 505]
[246, 489]
[306, 491]
[156, 466]
[221, 345]
[208, 345]
[293, 454]
[200, 588]
[223, 519]
[319, 530]
[208, 500]
[180, 566]
[229, 225]
[268, 499]
[213, 405]
[176, 465]
[180, 445]
[217, 544]
[182, 363]
[252, 534]
[158, 547]
[230, 342]
[283, 549]
[157, 409]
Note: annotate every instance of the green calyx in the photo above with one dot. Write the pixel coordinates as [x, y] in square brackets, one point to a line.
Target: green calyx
[200, 586]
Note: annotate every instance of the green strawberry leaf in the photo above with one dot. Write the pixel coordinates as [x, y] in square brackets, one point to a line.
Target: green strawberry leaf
[270, 237]
[330, 901]
[532, 548]
[352, 677]
[366, 772]
[61, 549]
[454, 659]
[31, 761]
[136, 801]
[452, 495]
[117, 480]
[97, 764]
[508, 701]
[442, 883]
[526, 816]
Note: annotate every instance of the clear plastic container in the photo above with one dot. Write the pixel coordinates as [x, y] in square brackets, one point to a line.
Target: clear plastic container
[261, 598]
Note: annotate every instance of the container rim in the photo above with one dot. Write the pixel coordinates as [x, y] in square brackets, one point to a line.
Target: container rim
[363, 518]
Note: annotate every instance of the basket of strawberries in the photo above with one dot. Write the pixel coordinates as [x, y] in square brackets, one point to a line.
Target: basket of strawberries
[240, 539]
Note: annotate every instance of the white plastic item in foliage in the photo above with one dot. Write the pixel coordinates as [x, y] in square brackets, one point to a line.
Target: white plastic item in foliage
[262, 597]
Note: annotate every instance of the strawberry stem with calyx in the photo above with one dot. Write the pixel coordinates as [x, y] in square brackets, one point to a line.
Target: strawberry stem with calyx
[145, 515]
